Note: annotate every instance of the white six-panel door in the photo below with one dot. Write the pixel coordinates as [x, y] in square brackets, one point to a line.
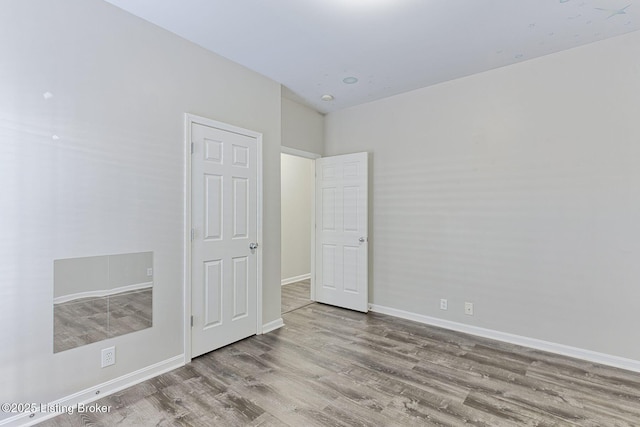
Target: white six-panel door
[224, 220]
[341, 231]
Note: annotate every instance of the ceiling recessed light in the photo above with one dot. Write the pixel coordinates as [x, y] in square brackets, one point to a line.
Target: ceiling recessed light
[327, 97]
[350, 80]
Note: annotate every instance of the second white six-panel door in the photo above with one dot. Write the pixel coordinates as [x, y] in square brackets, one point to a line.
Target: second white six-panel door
[341, 231]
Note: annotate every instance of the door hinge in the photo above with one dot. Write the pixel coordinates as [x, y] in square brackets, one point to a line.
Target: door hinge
[193, 234]
[192, 321]
[192, 148]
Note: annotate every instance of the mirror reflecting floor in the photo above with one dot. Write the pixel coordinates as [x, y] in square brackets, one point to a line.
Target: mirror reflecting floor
[296, 295]
[87, 320]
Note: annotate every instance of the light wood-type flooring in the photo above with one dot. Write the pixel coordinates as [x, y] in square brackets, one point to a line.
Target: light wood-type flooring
[333, 367]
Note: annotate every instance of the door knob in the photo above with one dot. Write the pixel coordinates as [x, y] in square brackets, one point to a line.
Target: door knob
[362, 239]
[253, 246]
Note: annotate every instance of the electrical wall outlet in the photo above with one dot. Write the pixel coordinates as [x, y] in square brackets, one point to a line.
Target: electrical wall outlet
[468, 308]
[149, 272]
[443, 304]
[108, 356]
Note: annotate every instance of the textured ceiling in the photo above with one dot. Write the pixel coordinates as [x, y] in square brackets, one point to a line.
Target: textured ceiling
[389, 46]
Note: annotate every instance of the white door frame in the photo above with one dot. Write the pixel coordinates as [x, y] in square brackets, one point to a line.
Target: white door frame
[312, 156]
[190, 119]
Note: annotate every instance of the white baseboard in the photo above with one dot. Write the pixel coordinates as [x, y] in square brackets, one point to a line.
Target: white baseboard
[92, 394]
[272, 326]
[295, 279]
[565, 350]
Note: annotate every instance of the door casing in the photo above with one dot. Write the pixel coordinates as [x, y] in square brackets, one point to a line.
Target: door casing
[311, 156]
[314, 157]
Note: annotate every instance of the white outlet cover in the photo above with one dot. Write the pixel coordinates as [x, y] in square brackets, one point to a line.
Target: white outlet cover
[443, 304]
[149, 272]
[468, 308]
[108, 357]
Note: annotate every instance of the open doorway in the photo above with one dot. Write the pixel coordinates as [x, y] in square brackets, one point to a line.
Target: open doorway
[297, 216]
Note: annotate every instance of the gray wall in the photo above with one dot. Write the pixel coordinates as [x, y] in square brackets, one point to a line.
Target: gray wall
[516, 189]
[296, 185]
[112, 181]
[302, 127]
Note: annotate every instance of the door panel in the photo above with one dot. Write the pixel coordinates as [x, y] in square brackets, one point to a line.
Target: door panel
[213, 293]
[213, 207]
[240, 207]
[224, 219]
[240, 287]
[341, 231]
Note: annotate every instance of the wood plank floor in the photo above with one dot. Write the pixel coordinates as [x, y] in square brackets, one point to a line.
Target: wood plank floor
[333, 367]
